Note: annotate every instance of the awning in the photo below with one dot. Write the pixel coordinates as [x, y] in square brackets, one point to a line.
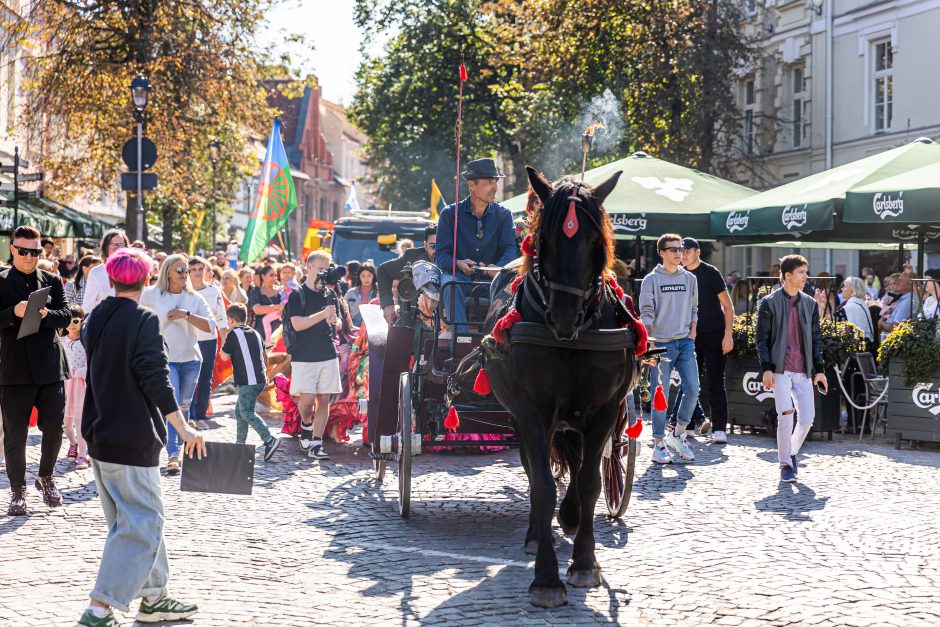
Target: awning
[52, 219]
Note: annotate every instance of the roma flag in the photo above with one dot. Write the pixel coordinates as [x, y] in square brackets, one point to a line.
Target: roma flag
[437, 201]
[275, 201]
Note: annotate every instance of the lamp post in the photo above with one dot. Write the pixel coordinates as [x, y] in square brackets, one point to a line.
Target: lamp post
[214, 159]
[140, 91]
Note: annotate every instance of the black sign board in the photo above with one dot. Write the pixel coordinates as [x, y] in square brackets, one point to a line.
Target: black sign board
[148, 182]
[148, 151]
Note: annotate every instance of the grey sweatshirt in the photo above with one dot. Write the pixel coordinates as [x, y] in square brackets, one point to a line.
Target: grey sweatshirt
[669, 303]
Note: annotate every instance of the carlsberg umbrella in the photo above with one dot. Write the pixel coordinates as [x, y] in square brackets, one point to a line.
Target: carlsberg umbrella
[655, 197]
[911, 198]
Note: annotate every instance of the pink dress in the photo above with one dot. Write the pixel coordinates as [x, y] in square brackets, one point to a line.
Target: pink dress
[75, 393]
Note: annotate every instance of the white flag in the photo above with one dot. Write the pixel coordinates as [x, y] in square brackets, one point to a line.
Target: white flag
[352, 202]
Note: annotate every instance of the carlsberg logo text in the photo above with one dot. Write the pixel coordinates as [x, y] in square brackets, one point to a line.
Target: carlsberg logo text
[736, 222]
[887, 206]
[925, 397]
[754, 386]
[626, 223]
[793, 217]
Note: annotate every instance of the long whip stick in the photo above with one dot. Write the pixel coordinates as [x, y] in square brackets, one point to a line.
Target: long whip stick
[463, 77]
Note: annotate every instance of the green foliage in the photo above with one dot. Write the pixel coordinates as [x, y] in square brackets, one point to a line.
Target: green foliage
[917, 344]
[743, 334]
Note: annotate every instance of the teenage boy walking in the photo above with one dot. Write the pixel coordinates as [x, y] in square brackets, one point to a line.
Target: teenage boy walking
[127, 399]
[244, 346]
[669, 309]
[789, 346]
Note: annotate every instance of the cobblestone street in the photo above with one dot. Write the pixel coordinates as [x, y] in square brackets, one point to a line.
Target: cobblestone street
[717, 542]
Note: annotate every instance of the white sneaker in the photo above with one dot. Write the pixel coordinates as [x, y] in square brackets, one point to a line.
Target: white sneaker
[678, 448]
[661, 455]
[720, 437]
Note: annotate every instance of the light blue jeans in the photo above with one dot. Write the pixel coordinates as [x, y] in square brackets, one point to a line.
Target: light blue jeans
[681, 356]
[183, 377]
[134, 562]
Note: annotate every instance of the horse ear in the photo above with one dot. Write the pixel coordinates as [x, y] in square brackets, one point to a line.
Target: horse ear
[603, 190]
[541, 186]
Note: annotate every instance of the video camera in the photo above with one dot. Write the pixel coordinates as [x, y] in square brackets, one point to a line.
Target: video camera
[331, 276]
[422, 277]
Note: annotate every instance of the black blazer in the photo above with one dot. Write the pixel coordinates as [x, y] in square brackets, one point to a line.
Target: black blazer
[39, 358]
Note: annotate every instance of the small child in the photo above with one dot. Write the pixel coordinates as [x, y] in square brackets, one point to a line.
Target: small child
[288, 277]
[244, 346]
[75, 388]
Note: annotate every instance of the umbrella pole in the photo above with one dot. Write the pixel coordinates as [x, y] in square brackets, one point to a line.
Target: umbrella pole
[639, 257]
[901, 257]
[921, 245]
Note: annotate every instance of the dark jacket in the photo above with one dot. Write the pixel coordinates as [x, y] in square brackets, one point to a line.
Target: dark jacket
[773, 313]
[391, 270]
[128, 389]
[37, 358]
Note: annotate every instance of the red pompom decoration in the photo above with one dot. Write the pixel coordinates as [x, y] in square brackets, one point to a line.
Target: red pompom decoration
[463, 72]
[642, 338]
[659, 399]
[504, 324]
[452, 421]
[634, 430]
[482, 384]
[528, 248]
[516, 282]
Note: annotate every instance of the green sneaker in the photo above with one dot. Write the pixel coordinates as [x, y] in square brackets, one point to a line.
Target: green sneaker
[167, 608]
[88, 619]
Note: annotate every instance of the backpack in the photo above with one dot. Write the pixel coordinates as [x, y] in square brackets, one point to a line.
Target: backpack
[287, 329]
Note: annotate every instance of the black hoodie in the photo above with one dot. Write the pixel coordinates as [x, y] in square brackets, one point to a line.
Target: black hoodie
[128, 384]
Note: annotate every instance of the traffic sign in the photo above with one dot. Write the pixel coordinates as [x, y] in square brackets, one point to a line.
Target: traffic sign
[129, 153]
[148, 182]
[26, 178]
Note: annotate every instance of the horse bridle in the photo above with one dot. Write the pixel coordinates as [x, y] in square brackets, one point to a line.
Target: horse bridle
[590, 296]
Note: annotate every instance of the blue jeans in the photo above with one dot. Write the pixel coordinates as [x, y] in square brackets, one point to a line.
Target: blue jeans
[246, 416]
[459, 295]
[134, 562]
[183, 377]
[698, 414]
[681, 356]
[204, 383]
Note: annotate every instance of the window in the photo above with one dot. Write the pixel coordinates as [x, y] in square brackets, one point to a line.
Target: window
[749, 108]
[797, 107]
[883, 77]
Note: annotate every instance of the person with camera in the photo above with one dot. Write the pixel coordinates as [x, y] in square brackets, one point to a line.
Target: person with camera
[393, 270]
[789, 345]
[312, 312]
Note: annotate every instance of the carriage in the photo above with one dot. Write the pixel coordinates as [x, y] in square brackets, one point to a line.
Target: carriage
[417, 381]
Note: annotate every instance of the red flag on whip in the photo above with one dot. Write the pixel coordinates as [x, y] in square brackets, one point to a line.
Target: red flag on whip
[463, 72]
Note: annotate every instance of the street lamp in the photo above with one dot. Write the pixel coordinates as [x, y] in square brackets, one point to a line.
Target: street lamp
[140, 91]
[214, 159]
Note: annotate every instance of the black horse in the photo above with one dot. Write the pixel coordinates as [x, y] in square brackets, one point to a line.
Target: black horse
[559, 387]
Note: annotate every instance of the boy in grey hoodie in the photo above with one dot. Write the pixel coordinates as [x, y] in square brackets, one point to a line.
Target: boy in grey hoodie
[669, 309]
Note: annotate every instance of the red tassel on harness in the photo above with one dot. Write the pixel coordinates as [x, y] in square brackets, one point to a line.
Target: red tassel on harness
[516, 282]
[528, 248]
[571, 221]
[482, 384]
[634, 430]
[504, 324]
[452, 421]
[463, 72]
[659, 400]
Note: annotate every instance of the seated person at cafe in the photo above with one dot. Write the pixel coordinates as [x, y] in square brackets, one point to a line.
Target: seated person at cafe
[485, 236]
[900, 310]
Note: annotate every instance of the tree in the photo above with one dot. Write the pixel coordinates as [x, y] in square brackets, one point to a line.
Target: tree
[198, 56]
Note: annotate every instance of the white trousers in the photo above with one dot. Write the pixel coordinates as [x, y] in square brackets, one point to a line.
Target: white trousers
[792, 390]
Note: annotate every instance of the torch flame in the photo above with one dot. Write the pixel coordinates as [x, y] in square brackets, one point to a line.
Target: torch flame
[593, 127]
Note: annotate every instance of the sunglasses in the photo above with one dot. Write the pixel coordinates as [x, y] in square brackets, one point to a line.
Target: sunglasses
[479, 229]
[28, 251]
[432, 245]
[114, 245]
[76, 320]
[672, 249]
[181, 270]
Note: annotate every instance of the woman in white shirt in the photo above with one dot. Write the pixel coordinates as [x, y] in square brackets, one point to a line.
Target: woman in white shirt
[183, 313]
[208, 342]
[855, 308]
[931, 308]
[97, 287]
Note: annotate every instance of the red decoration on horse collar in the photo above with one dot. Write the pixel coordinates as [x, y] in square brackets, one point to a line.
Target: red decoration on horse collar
[504, 324]
[528, 248]
[452, 421]
[482, 384]
[571, 220]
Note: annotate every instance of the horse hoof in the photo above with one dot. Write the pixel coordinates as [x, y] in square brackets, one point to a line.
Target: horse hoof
[568, 531]
[584, 578]
[548, 597]
[532, 547]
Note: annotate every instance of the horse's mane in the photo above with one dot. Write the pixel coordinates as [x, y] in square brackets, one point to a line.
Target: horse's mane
[554, 212]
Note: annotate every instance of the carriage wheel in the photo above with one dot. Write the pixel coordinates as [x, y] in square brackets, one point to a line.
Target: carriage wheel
[405, 428]
[617, 471]
[379, 466]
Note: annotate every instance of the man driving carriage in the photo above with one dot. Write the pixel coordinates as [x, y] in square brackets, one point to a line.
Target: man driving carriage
[485, 237]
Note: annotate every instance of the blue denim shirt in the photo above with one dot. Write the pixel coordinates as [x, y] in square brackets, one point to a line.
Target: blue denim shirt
[496, 245]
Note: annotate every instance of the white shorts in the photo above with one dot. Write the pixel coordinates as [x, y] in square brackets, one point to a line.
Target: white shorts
[315, 377]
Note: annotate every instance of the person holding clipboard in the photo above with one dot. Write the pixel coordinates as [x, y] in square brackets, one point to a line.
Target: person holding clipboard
[33, 367]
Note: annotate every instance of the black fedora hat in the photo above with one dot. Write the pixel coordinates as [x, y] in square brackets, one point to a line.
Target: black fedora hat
[482, 169]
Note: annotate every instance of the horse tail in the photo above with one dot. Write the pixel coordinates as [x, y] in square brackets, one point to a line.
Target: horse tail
[565, 454]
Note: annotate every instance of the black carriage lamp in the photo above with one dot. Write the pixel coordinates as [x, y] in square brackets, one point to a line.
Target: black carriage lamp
[140, 91]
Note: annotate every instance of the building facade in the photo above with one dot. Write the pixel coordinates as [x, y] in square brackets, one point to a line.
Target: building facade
[836, 81]
[346, 143]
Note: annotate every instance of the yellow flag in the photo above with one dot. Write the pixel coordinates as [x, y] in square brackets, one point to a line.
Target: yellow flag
[437, 201]
[197, 227]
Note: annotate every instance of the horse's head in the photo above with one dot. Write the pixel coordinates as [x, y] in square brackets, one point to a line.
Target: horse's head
[573, 243]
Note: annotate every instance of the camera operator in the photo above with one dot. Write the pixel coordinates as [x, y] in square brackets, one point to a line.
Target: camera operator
[313, 312]
[393, 269]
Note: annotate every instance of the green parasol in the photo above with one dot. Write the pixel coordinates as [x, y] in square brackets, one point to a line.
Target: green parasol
[812, 203]
[912, 198]
[655, 197]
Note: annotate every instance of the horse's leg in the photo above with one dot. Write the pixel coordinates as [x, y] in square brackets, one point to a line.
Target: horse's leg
[547, 589]
[584, 571]
[531, 543]
[569, 512]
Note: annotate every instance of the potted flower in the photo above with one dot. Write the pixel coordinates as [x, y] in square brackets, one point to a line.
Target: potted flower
[910, 354]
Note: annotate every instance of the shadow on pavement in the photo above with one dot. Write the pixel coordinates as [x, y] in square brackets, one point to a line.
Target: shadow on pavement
[794, 501]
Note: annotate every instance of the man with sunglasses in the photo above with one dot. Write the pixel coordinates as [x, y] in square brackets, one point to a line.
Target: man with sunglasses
[32, 369]
[485, 236]
[391, 270]
[669, 309]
